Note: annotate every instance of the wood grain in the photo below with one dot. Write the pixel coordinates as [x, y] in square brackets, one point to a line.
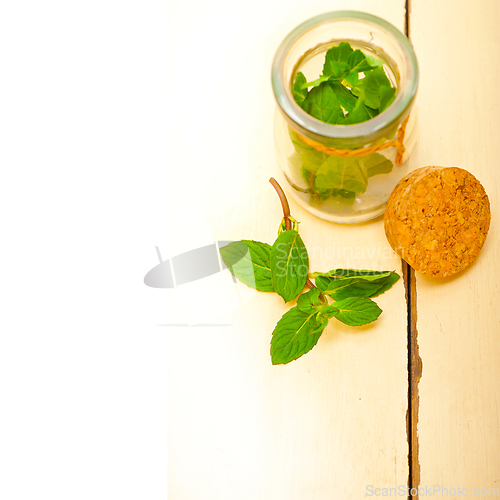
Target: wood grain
[458, 47]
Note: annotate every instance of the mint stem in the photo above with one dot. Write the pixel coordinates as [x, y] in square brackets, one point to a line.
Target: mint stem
[284, 203]
[310, 284]
[286, 215]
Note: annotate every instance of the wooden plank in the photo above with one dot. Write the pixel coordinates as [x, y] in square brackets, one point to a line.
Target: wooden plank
[458, 320]
[333, 423]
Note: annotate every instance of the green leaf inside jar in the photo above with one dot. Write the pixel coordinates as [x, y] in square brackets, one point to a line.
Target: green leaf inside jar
[353, 88]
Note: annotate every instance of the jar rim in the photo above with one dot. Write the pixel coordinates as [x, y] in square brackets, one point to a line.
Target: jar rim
[396, 111]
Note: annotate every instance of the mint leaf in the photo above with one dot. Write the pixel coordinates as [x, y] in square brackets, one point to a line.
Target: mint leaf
[336, 61]
[346, 198]
[340, 289]
[320, 323]
[351, 287]
[296, 333]
[360, 113]
[353, 273]
[358, 62]
[344, 176]
[387, 284]
[372, 112]
[310, 301]
[375, 83]
[330, 311]
[298, 91]
[377, 164]
[359, 89]
[322, 103]
[311, 158]
[250, 262]
[337, 70]
[387, 95]
[366, 97]
[317, 82]
[289, 265]
[352, 79]
[341, 174]
[374, 62]
[346, 98]
[339, 53]
[355, 311]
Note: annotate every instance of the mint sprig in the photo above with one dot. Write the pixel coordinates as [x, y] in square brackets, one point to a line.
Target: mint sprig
[342, 294]
[352, 88]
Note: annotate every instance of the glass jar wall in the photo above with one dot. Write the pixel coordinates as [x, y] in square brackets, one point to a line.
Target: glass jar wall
[344, 173]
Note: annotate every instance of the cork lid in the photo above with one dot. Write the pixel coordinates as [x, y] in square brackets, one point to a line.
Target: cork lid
[437, 219]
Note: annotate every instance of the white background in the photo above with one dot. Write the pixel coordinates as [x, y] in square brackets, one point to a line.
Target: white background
[116, 117]
[85, 179]
[125, 125]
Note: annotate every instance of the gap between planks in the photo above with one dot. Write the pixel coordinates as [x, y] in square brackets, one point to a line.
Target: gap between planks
[414, 359]
[414, 374]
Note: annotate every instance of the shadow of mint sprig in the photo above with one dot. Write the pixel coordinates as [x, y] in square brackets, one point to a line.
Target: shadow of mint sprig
[343, 294]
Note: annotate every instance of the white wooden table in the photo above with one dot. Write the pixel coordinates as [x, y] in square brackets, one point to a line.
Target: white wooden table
[135, 125]
[334, 423]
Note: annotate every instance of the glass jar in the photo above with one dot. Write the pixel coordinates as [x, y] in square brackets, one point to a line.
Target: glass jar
[344, 173]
